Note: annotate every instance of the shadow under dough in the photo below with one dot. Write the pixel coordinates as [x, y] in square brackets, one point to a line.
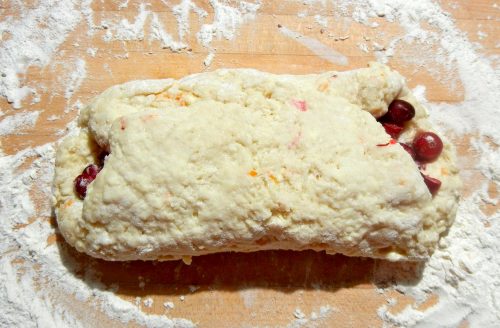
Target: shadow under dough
[282, 270]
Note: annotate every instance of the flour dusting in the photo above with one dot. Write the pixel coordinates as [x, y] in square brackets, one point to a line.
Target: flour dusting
[249, 296]
[76, 78]
[30, 40]
[15, 124]
[315, 320]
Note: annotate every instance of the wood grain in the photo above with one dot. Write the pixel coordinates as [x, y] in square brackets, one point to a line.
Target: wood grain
[263, 288]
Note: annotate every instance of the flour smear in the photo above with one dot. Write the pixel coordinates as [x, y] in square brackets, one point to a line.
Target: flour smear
[38, 285]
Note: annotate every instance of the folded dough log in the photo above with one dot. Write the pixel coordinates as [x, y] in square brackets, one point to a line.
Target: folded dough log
[241, 160]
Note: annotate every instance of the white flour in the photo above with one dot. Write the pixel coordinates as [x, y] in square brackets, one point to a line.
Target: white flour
[30, 40]
[75, 78]
[463, 271]
[18, 122]
[314, 320]
[225, 23]
[32, 37]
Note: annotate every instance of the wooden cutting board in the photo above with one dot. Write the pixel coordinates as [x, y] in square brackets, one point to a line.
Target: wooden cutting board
[263, 288]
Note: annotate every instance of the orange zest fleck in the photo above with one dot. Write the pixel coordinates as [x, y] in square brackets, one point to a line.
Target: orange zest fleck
[68, 203]
[273, 178]
[323, 86]
[252, 173]
[163, 96]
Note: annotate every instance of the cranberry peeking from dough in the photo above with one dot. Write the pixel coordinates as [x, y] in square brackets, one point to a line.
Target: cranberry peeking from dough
[393, 130]
[432, 184]
[85, 179]
[399, 112]
[91, 170]
[428, 146]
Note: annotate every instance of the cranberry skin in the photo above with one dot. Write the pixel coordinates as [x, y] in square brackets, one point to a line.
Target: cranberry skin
[400, 111]
[392, 129]
[81, 183]
[83, 180]
[432, 184]
[409, 149]
[428, 146]
[91, 171]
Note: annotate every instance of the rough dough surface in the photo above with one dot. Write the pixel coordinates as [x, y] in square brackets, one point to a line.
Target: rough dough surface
[242, 160]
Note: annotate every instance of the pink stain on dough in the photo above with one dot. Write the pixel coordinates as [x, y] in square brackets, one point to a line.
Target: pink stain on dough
[300, 104]
[295, 141]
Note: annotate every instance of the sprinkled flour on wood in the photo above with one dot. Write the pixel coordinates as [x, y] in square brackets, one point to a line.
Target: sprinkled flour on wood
[39, 283]
[18, 122]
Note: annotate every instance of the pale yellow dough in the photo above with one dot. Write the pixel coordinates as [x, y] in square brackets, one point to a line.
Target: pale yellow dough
[242, 160]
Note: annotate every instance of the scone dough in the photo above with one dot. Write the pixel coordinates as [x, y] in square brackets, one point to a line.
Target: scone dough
[242, 160]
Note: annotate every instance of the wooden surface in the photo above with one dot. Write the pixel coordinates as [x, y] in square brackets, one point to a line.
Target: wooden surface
[263, 288]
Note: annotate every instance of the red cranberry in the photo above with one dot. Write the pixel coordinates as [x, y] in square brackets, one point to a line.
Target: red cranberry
[91, 171]
[409, 149]
[81, 184]
[427, 146]
[83, 180]
[392, 129]
[432, 184]
[400, 111]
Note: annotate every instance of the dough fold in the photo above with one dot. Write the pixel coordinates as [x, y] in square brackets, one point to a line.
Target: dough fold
[242, 160]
